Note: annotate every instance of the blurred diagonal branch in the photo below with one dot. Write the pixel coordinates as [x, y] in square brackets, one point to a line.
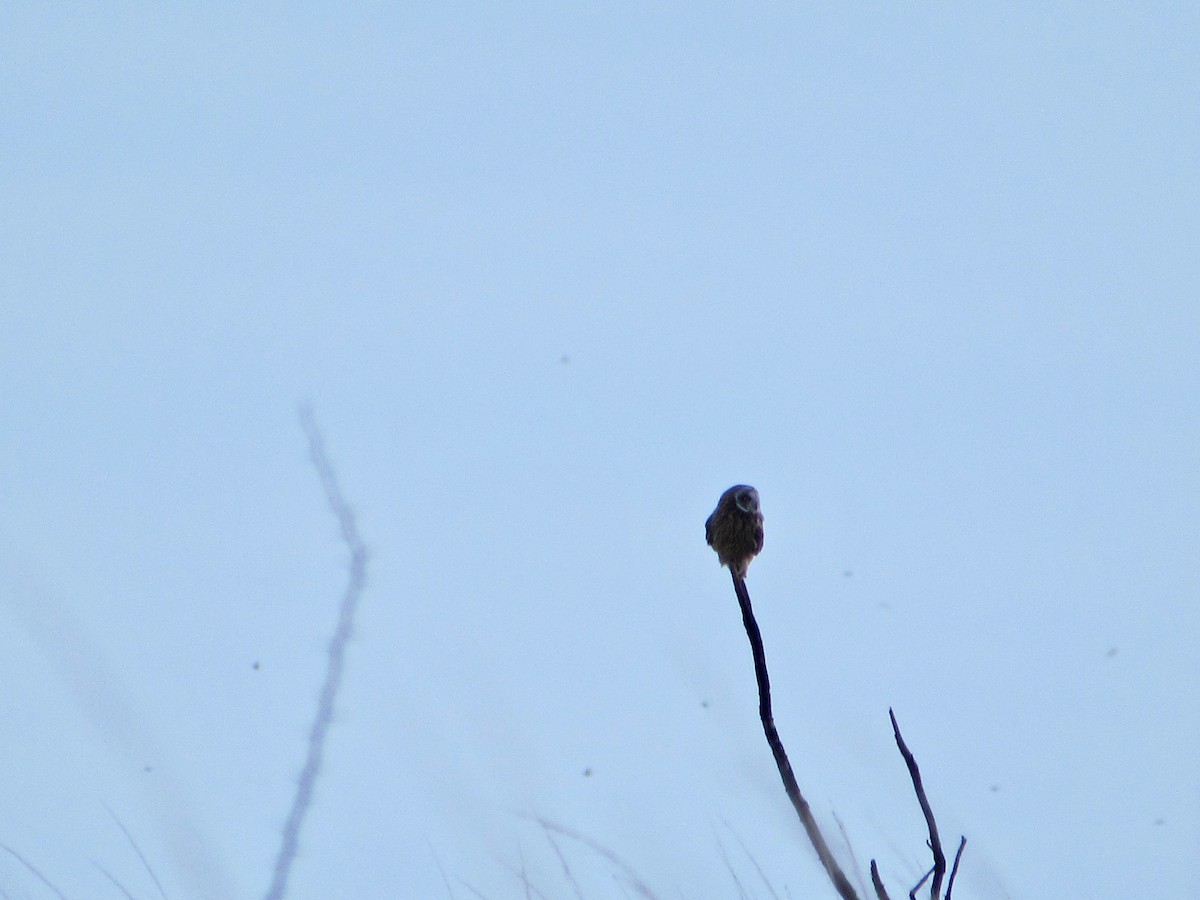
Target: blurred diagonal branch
[33, 870]
[140, 855]
[337, 654]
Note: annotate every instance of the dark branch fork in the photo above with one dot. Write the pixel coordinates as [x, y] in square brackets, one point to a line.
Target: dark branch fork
[935, 841]
[824, 854]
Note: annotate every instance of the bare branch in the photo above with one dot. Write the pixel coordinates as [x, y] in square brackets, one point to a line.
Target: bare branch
[442, 872]
[912, 895]
[832, 869]
[473, 890]
[962, 844]
[935, 842]
[113, 878]
[877, 882]
[138, 851]
[32, 868]
[335, 665]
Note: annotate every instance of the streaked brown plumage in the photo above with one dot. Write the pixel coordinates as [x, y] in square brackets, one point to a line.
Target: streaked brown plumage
[735, 529]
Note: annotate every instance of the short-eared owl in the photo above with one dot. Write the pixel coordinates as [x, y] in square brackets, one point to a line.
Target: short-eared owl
[735, 529]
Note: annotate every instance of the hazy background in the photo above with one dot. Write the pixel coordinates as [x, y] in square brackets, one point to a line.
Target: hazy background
[553, 277]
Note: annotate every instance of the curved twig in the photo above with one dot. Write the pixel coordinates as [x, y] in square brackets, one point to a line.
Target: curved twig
[335, 665]
[877, 883]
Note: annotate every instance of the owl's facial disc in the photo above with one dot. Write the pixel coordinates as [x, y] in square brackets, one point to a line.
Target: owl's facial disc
[747, 500]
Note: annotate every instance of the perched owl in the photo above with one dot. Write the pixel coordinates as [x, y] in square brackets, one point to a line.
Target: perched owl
[735, 529]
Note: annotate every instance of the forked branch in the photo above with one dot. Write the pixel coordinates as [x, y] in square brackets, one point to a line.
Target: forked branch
[938, 871]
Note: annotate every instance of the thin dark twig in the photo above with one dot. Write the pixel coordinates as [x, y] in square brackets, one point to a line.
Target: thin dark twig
[962, 844]
[877, 882]
[832, 869]
[334, 667]
[912, 895]
[935, 842]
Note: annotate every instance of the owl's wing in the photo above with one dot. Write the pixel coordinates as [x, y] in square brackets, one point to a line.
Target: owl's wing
[758, 537]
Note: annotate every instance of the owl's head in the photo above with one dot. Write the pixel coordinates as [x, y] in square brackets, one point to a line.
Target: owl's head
[746, 498]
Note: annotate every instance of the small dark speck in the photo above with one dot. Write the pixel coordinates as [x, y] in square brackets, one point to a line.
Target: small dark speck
[564, 360]
[1160, 821]
[1112, 651]
[147, 768]
[704, 704]
[587, 773]
[846, 573]
[256, 666]
[995, 788]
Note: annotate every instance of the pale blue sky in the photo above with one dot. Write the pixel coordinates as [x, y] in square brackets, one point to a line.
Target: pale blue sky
[553, 278]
